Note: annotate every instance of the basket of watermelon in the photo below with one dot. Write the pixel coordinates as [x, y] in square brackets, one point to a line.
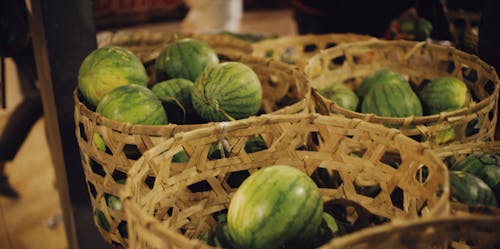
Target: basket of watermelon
[280, 181]
[433, 93]
[297, 49]
[120, 112]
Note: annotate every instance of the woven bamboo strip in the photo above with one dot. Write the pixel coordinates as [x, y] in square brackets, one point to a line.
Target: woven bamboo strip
[297, 49]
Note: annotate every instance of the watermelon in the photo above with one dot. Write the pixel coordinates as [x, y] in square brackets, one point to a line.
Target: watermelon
[380, 76]
[423, 29]
[107, 68]
[101, 220]
[133, 104]
[392, 99]
[227, 91]
[185, 58]
[276, 205]
[468, 189]
[485, 166]
[175, 95]
[114, 203]
[341, 95]
[444, 94]
[99, 142]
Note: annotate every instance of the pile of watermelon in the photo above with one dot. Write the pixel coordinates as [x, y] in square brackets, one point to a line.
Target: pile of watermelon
[191, 86]
[475, 180]
[389, 93]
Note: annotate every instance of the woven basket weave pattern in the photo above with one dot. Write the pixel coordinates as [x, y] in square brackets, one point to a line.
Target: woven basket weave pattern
[349, 64]
[467, 227]
[147, 45]
[478, 231]
[345, 148]
[286, 90]
[299, 48]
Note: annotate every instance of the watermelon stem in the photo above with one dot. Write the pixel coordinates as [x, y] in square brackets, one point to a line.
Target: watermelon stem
[178, 103]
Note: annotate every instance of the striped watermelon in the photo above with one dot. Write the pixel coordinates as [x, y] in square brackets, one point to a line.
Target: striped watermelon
[133, 104]
[486, 166]
[341, 95]
[227, 91]
[392, 99]
[468, 189]
[185, 58]
[379, 77]
[444, 94]
[175, 95]
[107, 68]
[274, 206]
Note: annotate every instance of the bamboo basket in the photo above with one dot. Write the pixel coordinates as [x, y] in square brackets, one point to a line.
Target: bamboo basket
[460, 231]
[171, 214]
[350, 63]
[297, 49]
[286, 90]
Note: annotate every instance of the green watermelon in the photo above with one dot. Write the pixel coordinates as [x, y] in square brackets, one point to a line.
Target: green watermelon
[486, 166]
[406, 26]
[423, 29]
[227, 91]
[133, 104]
[185, 58]
[444, 94]
[176, 97]
[468, 189]
[114, 203]
[273, 206]
[99, 142]
[107, 68]
[380, 76]
[392, 99]
[101, 220]
[341, 95]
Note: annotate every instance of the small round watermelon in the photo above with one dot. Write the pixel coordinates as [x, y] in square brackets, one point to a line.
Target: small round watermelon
[176, 97]
[227, 91]
[107, 68]
[341, 95]
[469, 189]
[486, 166]
[133, 104]
[274, 206]
[392, 99]
[380, 77]
[444, 94]
[185, 58]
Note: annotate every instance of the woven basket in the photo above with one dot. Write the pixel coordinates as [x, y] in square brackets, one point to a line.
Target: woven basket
[349, 64]
[169, 213]
[285, 90]
[464, 27]
[147, 44]
[297, 49]
[461, 231]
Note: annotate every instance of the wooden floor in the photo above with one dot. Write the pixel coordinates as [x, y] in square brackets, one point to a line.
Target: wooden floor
[24, 224]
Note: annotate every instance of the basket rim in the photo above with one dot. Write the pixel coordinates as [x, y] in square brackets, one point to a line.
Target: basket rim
[408, 225]
[412, 119]
[298, 39]
[136, 171]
